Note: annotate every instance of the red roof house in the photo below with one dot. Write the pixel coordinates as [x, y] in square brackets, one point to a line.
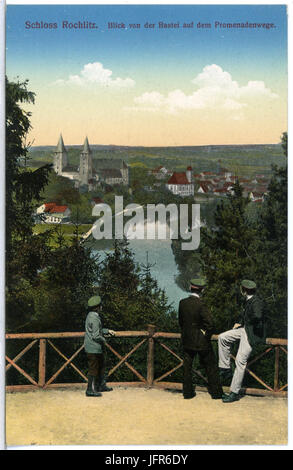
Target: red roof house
[54, 212]
[178, 178]
[180, 185]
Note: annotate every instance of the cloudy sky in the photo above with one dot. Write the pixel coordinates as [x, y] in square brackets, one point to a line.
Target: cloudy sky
[152, 86]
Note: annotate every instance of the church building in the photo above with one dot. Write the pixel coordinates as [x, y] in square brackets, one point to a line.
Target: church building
[91, 172]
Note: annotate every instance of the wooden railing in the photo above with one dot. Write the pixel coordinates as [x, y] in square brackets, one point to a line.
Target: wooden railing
[149, 336]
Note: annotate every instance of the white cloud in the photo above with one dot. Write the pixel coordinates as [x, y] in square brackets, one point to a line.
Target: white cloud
[214, 75]
[154, 99]
[215, 91]
[95, 74]
[255, 89]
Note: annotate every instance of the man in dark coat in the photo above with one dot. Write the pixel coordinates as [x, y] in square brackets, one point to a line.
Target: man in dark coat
[196, 331]
[249, 330]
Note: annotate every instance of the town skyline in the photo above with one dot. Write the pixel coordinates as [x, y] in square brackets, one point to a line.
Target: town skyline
[151, 86]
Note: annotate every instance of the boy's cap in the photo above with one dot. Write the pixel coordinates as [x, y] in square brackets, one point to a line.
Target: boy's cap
[94, 301]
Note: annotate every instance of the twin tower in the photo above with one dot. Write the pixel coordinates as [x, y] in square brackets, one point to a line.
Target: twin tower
[82, 174]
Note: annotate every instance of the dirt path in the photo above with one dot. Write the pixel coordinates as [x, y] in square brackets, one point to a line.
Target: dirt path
[142, 417]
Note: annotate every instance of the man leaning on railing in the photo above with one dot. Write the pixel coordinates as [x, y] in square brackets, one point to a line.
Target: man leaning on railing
[248, 330]
[94, 345]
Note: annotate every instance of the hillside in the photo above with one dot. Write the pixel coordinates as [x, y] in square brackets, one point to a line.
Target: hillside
[240, 159]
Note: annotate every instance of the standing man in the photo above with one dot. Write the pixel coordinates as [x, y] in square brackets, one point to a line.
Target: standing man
[197, 328]
[249, 330]
[94, 345]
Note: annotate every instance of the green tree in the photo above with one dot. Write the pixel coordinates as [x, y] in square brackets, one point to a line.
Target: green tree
[25, 253]
[284, 143]
[154, 302]
[60, 190]
[270, 250]
[188, 262]
[65, 285]
[23, 186]
[81, 212]
[225, 257]
[131, 300]
[46, 288]
[118, 284]
[131, 297]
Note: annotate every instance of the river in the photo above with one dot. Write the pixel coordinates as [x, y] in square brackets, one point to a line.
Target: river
[158, 250]
[160, 256]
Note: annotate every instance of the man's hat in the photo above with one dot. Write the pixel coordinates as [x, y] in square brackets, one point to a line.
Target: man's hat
[248, 284]
[199, 282]
[94, 301]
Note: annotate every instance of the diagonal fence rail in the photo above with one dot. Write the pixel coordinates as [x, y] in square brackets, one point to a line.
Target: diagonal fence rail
[154, 341]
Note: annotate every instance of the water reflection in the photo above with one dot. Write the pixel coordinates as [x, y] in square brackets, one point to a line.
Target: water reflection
[161, 257]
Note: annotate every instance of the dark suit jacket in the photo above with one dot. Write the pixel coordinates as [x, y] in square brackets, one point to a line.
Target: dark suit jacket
[253, 320]
[194, 317]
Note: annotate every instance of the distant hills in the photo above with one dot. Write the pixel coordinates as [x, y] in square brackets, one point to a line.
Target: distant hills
[244, 160]
[195, 148]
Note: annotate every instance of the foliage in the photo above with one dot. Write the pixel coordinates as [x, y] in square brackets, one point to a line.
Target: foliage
[60, 190]
[244, 240]
[23, 186]
[131, 298]
[46, 285]
[225, 257]
[270, 251]
[284, 143]
[64, 287]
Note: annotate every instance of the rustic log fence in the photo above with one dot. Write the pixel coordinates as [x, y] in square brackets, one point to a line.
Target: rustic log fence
[149, 336]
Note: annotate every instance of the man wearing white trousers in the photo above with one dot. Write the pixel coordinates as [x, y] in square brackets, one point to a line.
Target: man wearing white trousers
[248, 330]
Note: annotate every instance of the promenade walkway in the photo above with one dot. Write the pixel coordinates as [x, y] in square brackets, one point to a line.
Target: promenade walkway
[139, 416]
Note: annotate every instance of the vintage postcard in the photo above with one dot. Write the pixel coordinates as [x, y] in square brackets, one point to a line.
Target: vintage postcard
[146, 228]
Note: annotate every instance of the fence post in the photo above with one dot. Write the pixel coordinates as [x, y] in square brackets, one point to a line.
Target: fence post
[42, 363]
[151, 352]
[276, 375]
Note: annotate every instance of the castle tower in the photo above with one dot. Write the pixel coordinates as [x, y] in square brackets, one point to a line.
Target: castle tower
[85, 164]
[60, 157]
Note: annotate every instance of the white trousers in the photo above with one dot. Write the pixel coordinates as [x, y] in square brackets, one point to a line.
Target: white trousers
[225, 341]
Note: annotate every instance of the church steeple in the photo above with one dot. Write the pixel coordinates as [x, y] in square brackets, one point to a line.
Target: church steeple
[86, 147]
[60, 156]
[86, 164]
[61, 146]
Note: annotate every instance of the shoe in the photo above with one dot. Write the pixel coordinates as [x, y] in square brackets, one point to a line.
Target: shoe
[91, 393]
[105, 388]
[187, 397]
[231, 397]
[219, 397]
[91, 390]
[102, 384]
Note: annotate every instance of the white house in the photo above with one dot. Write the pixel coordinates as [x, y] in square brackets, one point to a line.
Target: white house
[181, 183]
[52, 213]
